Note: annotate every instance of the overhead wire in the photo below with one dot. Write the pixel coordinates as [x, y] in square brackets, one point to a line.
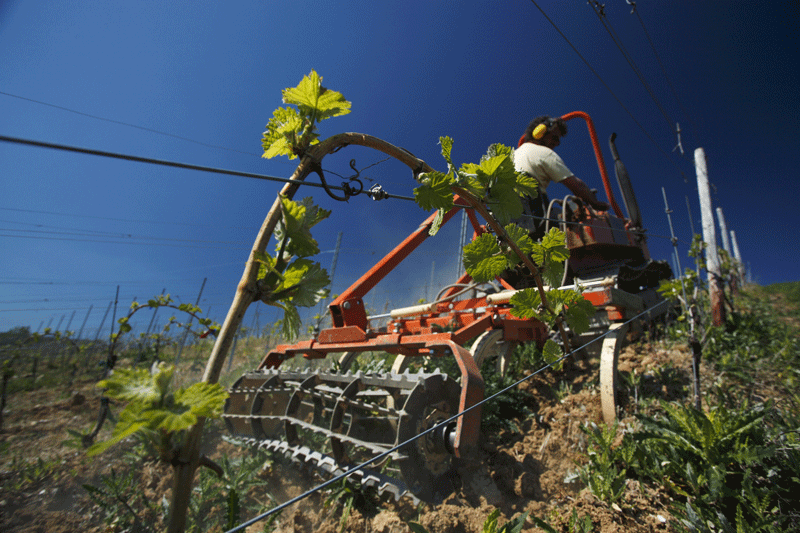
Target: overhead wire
[151, 130]
[600, 12]
[188, 224]
[174, 164]
[664, 71]
[608, 88]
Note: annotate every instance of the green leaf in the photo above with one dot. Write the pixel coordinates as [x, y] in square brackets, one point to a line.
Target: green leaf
[178, 418]
[282, 135]
[522, 239]
[316, 101]
[435, 191]
[555, 241]
[304, 283]
[504, 202]
[526, 185]
[447, 148]
[266, 266]
[290, 323]
[131, 385]
[483, 258]
[416, 528]
[490, 525]
[437, 222]
[204, 399]
[162, 378]
[516, 524]
[526, 304]
[551, 352]
[578, 314]
[297, 221]
[119, 435]
[497, 149]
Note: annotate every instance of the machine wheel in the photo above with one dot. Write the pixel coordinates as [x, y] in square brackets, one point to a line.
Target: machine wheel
[490, 346]
[428, 466]
[609, 356]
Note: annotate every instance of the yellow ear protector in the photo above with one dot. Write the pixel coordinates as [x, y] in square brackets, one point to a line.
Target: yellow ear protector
[542, 129]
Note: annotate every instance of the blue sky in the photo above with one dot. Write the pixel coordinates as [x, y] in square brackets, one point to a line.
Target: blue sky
[210, 74]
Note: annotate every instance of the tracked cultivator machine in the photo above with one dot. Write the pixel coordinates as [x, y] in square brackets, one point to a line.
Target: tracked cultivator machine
[336, 419]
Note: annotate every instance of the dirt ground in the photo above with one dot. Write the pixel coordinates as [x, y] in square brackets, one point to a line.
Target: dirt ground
[533, 469]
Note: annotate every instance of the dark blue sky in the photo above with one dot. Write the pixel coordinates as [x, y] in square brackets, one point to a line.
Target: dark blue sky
[76, 226]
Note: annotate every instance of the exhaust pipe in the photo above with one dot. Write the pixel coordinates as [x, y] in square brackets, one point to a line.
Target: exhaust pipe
[624, 182]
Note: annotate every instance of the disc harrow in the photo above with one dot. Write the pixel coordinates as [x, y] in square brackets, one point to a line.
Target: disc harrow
[337, 421]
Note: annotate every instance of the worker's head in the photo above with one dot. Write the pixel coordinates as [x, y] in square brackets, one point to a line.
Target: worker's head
[545, 131]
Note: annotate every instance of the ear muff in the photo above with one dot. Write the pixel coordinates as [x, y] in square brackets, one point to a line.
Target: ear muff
[539, 131]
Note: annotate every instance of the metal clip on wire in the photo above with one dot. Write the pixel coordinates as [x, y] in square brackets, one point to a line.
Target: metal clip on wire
[376, 192]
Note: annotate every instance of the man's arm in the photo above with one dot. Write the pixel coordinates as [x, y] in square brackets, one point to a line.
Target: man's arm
[583, 192]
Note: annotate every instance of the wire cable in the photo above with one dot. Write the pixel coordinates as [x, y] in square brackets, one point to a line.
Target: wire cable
[614, 37]
[427, 431]
[597, 75]
[174, 164]
[664, 71]
[151, 130]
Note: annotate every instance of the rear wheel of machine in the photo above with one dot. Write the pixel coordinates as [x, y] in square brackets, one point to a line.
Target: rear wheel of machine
[609, 355]
[490, 346]
[427, 468]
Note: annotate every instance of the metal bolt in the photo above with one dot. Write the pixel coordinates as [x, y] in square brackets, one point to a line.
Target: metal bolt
[346, 305]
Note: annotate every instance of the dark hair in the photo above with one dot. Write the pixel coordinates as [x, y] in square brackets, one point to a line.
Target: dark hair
[552, 123]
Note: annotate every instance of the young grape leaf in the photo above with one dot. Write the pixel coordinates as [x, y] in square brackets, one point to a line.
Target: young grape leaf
[290, 323]
[578, 314]
[526, 304]
[526, 185]
[552, 273]
[132, 385]
[282, 132]
[552, 353]
[555, 243]
[314, 100]
[497, 149]
[522, 239]
[304, 283]
[483, 258]
[203, 399]
[504, 202]
[435, 192]
[437, 222]
[298, 218]
[447, 148]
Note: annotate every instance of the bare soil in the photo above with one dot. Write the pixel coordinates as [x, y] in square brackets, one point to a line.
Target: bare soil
[533, 469]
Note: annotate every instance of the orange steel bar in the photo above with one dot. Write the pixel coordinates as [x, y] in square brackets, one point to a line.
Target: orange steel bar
[347, 309]
[599, 155]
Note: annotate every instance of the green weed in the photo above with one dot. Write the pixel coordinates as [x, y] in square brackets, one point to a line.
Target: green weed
[346, 495]
[604, 473]
[30, 473]
[124, 505]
